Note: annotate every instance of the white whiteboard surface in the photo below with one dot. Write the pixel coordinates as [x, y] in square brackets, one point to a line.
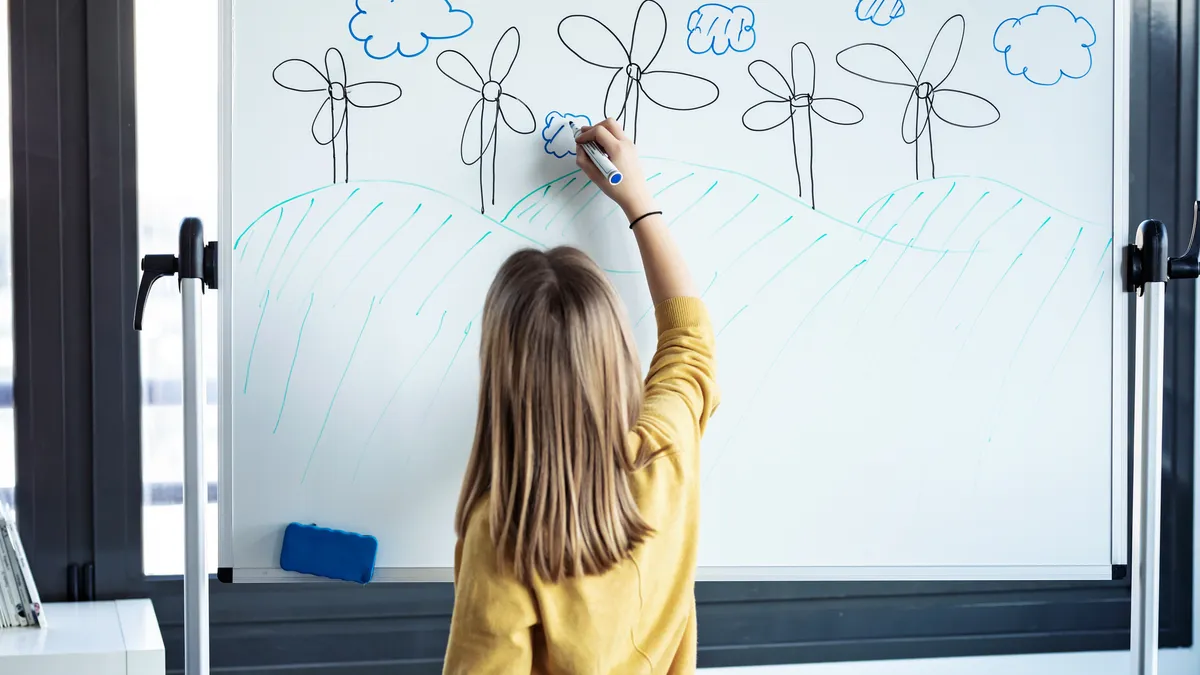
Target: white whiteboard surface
[923, 376]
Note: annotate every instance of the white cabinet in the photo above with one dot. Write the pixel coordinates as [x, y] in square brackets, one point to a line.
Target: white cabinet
[93, 638]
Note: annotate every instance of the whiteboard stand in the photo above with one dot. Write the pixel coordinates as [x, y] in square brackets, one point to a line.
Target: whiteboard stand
[196, 267]
[1149, 269]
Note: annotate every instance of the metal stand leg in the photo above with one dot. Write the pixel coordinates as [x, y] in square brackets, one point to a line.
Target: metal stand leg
[1147, 479]
[195, 487]
[197, 270]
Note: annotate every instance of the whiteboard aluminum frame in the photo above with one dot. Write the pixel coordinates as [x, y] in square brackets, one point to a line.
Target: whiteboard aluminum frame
[916, 573]
[224, 292]
[1122, 309]
[1120, 448]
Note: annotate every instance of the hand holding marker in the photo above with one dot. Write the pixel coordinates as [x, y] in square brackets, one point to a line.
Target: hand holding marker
[598, 158]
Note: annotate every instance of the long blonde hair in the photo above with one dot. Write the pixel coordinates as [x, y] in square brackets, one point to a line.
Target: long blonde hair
[560, 390]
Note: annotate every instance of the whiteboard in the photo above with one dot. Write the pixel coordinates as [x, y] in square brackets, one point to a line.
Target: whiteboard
[901, 217]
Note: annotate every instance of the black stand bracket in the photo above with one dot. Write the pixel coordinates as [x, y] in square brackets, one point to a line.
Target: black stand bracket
[196, 260]
[1147, 261]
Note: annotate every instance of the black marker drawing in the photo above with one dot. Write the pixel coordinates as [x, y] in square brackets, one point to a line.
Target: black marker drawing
[790, 99]
[596, 44]
[332, 121]
[493, 104]
[928, 98]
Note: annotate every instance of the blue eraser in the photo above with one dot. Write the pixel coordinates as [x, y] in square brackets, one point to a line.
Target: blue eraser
[333, 554]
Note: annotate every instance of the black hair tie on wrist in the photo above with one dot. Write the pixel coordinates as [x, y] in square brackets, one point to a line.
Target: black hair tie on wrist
[641, 218]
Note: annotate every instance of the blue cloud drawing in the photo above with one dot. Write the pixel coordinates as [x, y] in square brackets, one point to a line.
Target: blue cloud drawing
[718, 29]
[388, 28]
[1047, 45]
[873, 11]
[560, 142]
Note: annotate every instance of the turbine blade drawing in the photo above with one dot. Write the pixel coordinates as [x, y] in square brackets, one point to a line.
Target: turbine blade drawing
[372, 94]
[769, 79]
[804, 69]
[516, 115]
[961, 109]
[335, 66]
[505, 55]
[299, 75]
[616, 99]
[678, 91]
[876, 63]
[477, 135]
[593, 42]
[944, 52]
[459, 69]
[328, 122]
[837, 111]
[649, 34]
[916, 119]
[768, 115]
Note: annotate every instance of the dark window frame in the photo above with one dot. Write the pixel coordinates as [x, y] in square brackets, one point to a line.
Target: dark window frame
[51, 305]
[80, 494]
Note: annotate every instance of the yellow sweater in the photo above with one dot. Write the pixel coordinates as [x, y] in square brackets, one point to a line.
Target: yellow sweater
[640, 616]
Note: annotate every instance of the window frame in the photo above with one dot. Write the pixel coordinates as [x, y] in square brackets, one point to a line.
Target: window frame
[52, 394]
[74, 156]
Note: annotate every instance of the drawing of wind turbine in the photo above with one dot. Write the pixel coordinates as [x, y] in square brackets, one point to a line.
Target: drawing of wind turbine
[493, 105]
[928, 97]
[596, 44]
[332, 121]
[792, 99]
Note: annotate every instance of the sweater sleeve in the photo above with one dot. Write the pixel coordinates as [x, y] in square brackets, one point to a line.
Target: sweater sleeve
[494, 615]
[681, 392]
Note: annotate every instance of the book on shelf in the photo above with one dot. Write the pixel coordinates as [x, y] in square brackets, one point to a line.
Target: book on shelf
[20, 605]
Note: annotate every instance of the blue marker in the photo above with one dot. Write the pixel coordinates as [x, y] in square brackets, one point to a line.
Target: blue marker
[601, 160]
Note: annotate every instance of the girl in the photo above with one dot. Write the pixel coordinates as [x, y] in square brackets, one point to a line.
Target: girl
[577, 520]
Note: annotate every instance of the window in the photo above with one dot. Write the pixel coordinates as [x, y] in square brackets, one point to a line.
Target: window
[176, 70]
[8, 463]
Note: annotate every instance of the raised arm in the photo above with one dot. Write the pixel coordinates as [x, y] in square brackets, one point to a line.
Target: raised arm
[666, 272]
[681, 388]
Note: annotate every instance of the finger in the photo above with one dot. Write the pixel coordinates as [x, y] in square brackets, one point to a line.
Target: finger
[589, 169]
[615, 129]
[598, 135]
[607, 140]
[587, 135]
[601, 137]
